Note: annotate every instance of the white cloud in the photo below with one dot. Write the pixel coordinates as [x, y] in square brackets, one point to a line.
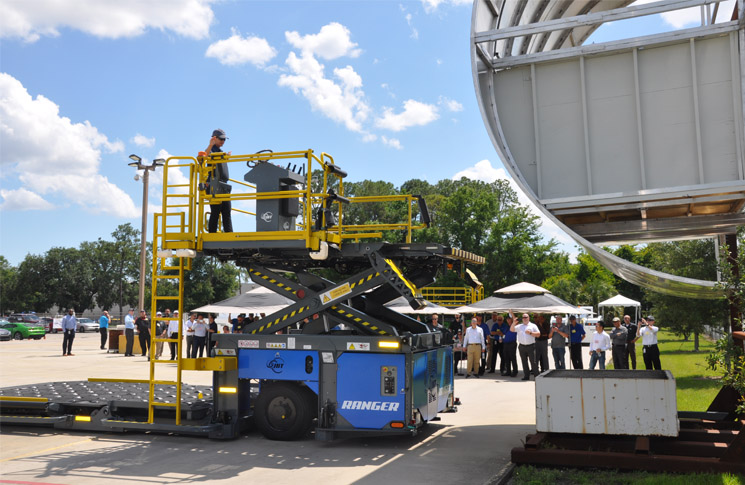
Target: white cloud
[415, 113]
[23, 200]
[333, 41]
[51, 155]
[143, 141]
[342, 101]
[368, 137]
[484, 171]
[391, 142]
[237, 50]
[450, 105]
[432, 5]
[31, 19]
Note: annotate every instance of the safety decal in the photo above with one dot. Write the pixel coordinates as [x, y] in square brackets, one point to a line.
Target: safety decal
[248, 344]
[365, 346]
[336, 293]
[276, 345]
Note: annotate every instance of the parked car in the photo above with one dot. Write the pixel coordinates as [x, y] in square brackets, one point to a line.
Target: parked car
[23, 318]
[87, 325]
[20, 331]
[48, 323]
[4, 334]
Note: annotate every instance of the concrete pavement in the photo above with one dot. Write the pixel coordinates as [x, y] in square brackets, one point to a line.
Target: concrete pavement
[473, 444]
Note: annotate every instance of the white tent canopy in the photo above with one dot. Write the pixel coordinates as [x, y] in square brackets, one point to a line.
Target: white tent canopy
[622, 301]
[257, 300]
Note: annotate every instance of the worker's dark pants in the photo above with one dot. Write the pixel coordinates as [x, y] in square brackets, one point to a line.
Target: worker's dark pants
[652, 357]
[631, 355]
[496, 352]
[619, 356]
[189, 345]
[217, 210]
[104, 336]
[145, 342]
[541, 354]
[509, 358]
[559, 357]
[527, 353]
[173, 345]
[575, 355]
[67, 341]
[129, 335]
[198, 347]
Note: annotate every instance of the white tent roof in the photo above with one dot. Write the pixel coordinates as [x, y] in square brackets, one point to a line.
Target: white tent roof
[402, 306]
[619, 300]
[523, 287]
[257, 300]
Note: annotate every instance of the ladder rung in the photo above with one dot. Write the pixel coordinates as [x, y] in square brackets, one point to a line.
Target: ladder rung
[167, 404]
[165, 297]
[165, 383]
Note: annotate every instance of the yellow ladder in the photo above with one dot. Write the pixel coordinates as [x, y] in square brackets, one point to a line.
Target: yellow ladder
[168, 275]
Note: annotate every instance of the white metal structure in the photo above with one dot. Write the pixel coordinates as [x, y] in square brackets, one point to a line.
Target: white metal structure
[608, 402]
[634, 140]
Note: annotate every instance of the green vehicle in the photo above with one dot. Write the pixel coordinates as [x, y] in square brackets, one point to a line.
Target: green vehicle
[20, 331]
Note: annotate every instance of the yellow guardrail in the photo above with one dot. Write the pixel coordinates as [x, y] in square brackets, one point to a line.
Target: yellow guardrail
[186, 203]
[451, 296]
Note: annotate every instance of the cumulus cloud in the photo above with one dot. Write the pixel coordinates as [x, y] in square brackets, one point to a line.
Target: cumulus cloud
[432, 5]
[342, 100]
[450, 104]
[30, 20]
[23, 200]
[51, 156]
[333, 41]
[391, 142]
[484, 171]
[143, 141]
[237, 50]
[414, 113]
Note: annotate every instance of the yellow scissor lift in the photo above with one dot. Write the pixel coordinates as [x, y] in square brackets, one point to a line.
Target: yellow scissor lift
[180, 233]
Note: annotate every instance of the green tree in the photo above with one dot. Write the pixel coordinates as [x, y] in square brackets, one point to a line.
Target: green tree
[209, 281]
[70, 274]
[8, 278]
[32, 289]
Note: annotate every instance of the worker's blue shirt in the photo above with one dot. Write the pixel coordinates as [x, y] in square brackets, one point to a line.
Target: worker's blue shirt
[103, 322]
[509, 336]
[129, 322]
[69, 322]
[487, 332]
[575, 333]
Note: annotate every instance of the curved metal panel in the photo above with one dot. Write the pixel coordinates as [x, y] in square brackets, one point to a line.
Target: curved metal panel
[571, 119]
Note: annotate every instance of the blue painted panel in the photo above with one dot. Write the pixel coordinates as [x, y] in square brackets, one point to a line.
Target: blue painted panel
[359, 398]
[284, 365]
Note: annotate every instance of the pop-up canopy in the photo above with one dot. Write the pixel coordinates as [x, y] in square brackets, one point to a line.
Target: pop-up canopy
[620, 300]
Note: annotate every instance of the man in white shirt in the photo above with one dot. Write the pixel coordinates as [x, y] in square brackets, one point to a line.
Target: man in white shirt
[598, 345]
[474, 343]
[189, 332]
[648, 332]
[173, 334]
[526, 334]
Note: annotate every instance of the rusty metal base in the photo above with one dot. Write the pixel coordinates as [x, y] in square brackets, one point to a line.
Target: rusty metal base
[702, 446]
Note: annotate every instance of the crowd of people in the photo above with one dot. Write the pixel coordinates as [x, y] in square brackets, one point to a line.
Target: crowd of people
[494, 345]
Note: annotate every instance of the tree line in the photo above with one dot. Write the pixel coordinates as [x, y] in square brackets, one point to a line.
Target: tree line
[480, 217]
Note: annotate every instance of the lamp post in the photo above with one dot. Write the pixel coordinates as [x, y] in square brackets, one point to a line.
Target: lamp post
[137, 163]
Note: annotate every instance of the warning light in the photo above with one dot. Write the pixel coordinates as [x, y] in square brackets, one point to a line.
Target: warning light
[388, 345]
[86, 419]
[228, 390]
[397, 424]
[300, 294]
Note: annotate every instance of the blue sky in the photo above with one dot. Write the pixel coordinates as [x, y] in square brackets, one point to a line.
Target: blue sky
[385, 87]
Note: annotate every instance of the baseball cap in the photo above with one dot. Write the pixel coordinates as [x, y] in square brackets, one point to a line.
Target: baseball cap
[220, 134]
[616, 319]
[650, 318]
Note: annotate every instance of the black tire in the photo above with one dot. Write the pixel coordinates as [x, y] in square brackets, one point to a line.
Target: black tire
[82, 330]
[18, 336]
[283, 412]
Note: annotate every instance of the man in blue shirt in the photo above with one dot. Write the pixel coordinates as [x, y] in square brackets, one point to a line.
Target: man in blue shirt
[576, 336]
[508, 366]
[69, 325]
[129, 333]
[103, 327]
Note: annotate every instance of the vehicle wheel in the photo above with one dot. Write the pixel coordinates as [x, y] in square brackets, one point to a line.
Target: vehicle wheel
[18, 336]
[81, 330]
[283, 412]
[56, 330]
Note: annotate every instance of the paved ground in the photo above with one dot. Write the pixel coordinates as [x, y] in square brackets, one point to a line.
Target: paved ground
[472, 445]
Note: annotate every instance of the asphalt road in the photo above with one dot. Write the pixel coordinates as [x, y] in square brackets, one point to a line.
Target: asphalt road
[471, 446]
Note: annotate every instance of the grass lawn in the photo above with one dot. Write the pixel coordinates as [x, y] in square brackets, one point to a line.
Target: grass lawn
[696, 384]
[540, 476]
